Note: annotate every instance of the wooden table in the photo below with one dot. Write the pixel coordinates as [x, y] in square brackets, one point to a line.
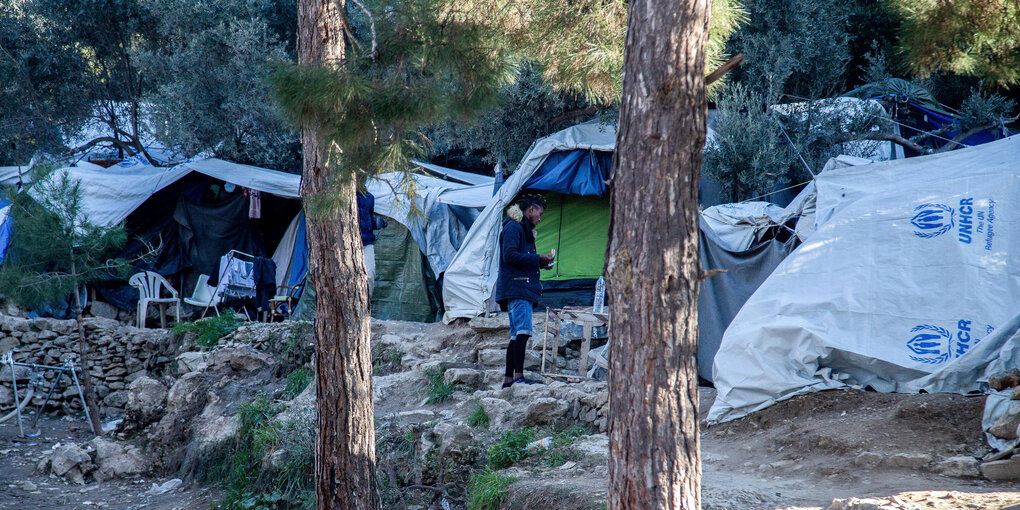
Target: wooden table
[588, 320]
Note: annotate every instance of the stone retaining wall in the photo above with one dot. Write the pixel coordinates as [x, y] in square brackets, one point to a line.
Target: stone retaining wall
[119, 354]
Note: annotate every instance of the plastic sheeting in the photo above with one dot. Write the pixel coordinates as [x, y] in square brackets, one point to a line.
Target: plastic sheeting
[738, 226]
[472, 273]
[913, 263]
[577, 172]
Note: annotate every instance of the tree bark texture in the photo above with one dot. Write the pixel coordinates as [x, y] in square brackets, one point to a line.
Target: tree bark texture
[345, 432]
[654, 459]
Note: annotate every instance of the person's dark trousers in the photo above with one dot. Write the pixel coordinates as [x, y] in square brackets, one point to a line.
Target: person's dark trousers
[515, 352]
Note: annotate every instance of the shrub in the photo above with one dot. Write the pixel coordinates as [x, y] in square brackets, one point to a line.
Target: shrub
[488, 490]
[208, 331]
[511, 449]
[478, 418]
[297, 381]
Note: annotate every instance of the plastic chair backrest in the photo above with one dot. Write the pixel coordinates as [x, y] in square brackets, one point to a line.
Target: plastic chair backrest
[203, 291]
[150, 284]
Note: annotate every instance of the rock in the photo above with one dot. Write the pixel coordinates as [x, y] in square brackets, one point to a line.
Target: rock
[104, 310]
[545, 410]
[502, 415]
[67, 457]
[466, 376]
[863, 504]
[406, 418]
[215, 425]
[1014, 396]
[486, 324]
[1003, 380]
[116, 398]
[6, 396]
[7, 344]
[867, 459]
[28, 486]
[146, 401]
[962, 467]
[243, 358]
[1001, 469]
[909, 460]
[191, 361]
[1005, 426]
[453, 438]
[115, 459]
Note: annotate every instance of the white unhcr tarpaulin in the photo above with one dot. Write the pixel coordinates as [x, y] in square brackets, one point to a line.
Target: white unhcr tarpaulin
[912, 264]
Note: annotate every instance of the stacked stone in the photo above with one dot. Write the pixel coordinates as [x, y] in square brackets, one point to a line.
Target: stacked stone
[119, 354]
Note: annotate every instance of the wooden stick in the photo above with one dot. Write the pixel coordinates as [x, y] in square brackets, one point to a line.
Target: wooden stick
[730, 65]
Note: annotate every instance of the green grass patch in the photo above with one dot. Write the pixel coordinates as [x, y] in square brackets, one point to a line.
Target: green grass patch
[208, 331]
[559, 451]
[248, 484]
[511, 448]
[478, 418]
[297, 381]
[488, 490]
[439, 390]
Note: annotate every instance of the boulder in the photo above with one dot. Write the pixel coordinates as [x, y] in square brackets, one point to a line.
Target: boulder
[1007, 379]
[487, 324]
[545, 410]
[67, 457]
[867, 459]
[466, 376]
[114, 459]
[962, 467]
[116, 398]
[909, 460]
[1001, 469]
[243, 358]
[191, 361]
[146, 400]
[7, 344]
[502, 415]
[215, 425]
[1005, 426]
[6, 396]
[453, 438]
[104, 310]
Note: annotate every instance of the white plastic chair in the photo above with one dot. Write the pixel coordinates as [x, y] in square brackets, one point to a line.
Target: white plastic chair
[204, 296]
[150, 286]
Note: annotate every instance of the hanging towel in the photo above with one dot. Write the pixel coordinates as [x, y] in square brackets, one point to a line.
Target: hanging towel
[237, 279]
[255, 204]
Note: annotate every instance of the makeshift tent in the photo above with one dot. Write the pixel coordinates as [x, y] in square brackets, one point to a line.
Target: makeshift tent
[193, 212]
[574, 167]
[913, 263]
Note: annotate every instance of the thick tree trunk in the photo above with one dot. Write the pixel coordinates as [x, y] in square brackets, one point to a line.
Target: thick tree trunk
[345, 433]
[653, 268]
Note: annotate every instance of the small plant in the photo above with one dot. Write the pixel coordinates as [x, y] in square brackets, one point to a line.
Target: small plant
[208, 331]
[511, 449]
[559, 452]
[488, 490]
[297, 381]
[478, 418]
[439, 390]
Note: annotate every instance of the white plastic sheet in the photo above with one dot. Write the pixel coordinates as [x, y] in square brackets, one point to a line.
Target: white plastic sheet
[913, 263]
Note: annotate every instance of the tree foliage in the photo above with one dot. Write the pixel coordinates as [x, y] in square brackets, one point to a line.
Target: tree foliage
[409, 65]
[966, 37]
[210, 89]
[55, 249]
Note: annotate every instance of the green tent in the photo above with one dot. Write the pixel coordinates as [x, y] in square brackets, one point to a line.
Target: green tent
[404, 286]
[577, 227]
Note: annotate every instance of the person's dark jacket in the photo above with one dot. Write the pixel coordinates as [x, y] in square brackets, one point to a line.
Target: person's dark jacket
[519, 263]
[367, 220]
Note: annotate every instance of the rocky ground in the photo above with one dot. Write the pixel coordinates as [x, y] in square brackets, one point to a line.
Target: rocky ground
[837, 450]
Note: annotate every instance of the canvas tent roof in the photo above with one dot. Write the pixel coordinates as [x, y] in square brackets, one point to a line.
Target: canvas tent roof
[912, 265]
[109, 195]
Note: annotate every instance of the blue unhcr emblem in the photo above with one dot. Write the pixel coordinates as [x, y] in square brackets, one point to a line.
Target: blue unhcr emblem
[932, 220]
[931, 344]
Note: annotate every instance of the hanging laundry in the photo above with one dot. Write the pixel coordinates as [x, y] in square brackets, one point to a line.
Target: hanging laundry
[237, 278]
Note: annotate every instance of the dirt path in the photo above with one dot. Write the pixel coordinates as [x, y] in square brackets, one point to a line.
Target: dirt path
[22, 488]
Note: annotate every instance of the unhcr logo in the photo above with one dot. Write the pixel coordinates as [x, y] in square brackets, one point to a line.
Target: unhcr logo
[931, 344]
[932, 220]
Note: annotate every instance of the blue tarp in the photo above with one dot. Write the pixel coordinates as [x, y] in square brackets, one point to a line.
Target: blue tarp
[6, 229]
[578, 172]
[299, 260]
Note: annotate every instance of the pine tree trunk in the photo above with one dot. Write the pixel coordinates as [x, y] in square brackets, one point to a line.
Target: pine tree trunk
[83, 355]
[654, 459]
[345, 433]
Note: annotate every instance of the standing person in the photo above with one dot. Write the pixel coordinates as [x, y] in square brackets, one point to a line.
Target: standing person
[369, 223]
[518, 287]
